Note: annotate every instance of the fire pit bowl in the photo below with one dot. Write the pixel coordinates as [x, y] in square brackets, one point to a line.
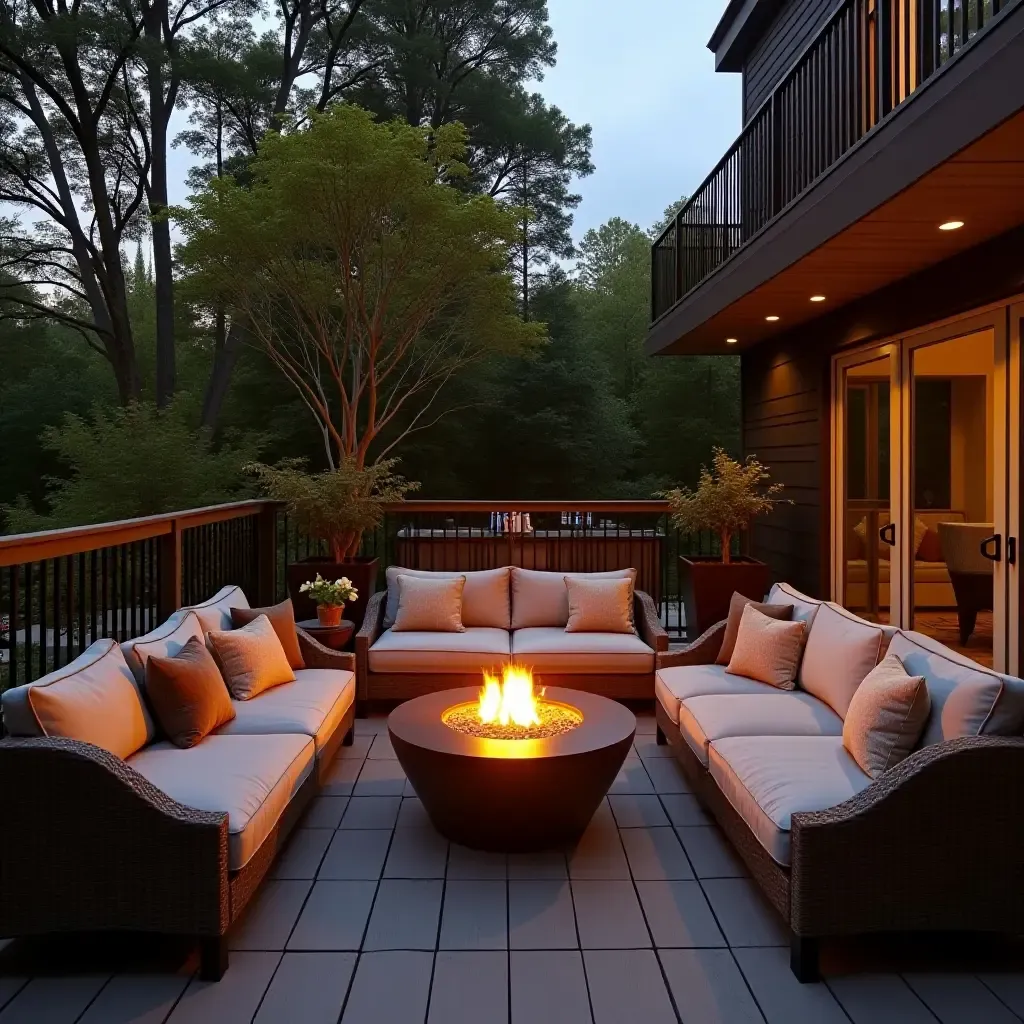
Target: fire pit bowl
[512, 795]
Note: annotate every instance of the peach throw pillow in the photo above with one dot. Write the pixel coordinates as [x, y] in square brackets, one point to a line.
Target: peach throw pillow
[251, 658]
[599, 606]
[429, 605]
[767, 650]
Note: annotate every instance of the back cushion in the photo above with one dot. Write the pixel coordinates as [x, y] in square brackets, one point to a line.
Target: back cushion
[541, 598]
[485, 598]
[841, 650]
[967, 699]
[94, 698]
[804, 607]
[165, 641]
[215, 612]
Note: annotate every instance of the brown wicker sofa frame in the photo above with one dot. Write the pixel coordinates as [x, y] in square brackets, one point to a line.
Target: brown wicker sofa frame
[392, 686]
[936, 844]
[89, 845]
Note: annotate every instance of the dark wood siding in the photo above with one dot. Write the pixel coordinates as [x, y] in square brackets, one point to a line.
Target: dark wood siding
[785, 39]
[785, 424]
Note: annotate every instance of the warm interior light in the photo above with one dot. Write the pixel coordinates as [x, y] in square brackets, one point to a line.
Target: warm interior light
[817, 298]
[951, 225]
[730, 341]
[771, 319]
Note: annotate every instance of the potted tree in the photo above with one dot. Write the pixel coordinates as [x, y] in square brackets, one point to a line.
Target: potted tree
[728, 497]
[337, 507]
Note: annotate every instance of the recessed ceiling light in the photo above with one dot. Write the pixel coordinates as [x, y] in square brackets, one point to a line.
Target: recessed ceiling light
[730, 341]
[817, 298]
[951, 225]
[771, 319]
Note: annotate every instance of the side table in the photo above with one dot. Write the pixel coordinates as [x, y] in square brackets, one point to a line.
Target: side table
[335, 637]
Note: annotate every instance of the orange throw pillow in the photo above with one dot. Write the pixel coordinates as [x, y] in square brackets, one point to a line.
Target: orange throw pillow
[732, 624]
[187, 694]
[599, 606]
[251, 658]
[767, 650]
[282, 618]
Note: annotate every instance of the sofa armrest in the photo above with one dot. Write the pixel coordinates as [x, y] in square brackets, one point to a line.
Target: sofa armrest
[315, 655]
[937, 842]
[702, 651]
[371, 628]
[648, 621]
[89, 844]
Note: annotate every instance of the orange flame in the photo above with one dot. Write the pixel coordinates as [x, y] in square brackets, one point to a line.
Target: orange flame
[509, 700]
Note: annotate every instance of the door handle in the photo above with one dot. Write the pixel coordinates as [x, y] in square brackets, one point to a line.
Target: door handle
[1011, 550]
[992, 548]
[887, 534]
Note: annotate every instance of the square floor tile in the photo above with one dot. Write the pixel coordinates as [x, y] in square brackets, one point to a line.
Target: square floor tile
[783, 999]
[545, 864]
[710, 853]
[405, 914]
[548, 988]
[389, 987]
[479, 864]
[627, 987]
[133, 999]
[647, 746]
[599, 854]
[655, 853]
[341, 777]
[633, 811]
[416, 853]
[303, 852]
[412, 814]
[632, 779]
[270, 916]
[959, 999]
[372, 812]
[475, 915]
[666, 775]
[1009, 987]
[679, 915]
[879, 999]
[469, 988]
[708, 987]
[233, 999]
[608, 915]
[359, 748]
[307, 987]
[540, 915]
[356, 853]
[334, 917]
[684, 809]
[382, 749]
[380, 778]
[325, 812]
[746, 917]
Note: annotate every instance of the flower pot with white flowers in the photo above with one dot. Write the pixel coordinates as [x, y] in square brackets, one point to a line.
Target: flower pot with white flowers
[330, 597]
[729, 496]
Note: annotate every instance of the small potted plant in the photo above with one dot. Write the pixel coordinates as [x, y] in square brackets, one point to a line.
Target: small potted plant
[336, 507]
[728, 498]
[330, 597]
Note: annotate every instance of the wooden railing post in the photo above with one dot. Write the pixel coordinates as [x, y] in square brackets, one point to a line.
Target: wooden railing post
[169, 571]
[266, 555]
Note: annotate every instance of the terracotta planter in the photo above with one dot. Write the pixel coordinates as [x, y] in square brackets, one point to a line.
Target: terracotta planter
[707, 585]
[361, 571]
[329, 615]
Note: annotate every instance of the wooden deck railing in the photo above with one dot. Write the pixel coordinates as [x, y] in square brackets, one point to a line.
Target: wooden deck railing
[868, 59]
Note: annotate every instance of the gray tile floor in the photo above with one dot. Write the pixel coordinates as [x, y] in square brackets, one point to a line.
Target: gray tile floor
[370, 917]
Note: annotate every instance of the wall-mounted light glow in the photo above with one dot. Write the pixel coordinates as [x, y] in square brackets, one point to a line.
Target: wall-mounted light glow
[951, 225]
[771, 319]
[730, 341]
[817, 298]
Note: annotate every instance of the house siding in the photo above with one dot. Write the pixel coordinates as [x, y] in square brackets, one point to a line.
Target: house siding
[782, 43]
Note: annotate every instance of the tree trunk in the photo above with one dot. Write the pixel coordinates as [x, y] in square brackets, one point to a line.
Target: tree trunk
[228, 348]
[726, 545]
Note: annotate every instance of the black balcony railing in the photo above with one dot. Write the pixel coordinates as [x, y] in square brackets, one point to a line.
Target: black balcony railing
[869, 57]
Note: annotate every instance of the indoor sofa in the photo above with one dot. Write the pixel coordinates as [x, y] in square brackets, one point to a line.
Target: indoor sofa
[164, 839]
[510, 615]
[934, 843]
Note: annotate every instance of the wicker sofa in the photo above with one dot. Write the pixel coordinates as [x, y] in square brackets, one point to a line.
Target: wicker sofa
[510, 614]
[935, 843]
[166, 840]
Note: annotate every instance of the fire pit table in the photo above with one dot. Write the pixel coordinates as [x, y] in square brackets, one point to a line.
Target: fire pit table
[535, 791]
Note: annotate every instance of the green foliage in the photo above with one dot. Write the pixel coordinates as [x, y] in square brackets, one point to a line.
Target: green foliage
[134, 461]
[329, 591]
[337, 505]
[728, 498]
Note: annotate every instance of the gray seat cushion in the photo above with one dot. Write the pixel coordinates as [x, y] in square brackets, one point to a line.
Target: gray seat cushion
[250, 778]
[767, 779]
[313, 706]
[552, 649]
[476, 649]
[785, 713]
[674, 685]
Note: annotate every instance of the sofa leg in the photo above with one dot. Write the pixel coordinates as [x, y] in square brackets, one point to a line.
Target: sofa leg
[361, 709]
[213, 957]
[660, 737]
[349, 737]
[803, 958]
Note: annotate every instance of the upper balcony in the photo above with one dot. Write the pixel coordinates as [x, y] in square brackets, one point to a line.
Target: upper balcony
[840, 98]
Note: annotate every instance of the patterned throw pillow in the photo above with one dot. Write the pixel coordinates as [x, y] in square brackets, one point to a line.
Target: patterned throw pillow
[767, 650]
[429, 605]
[251, 659]
[599, 606]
